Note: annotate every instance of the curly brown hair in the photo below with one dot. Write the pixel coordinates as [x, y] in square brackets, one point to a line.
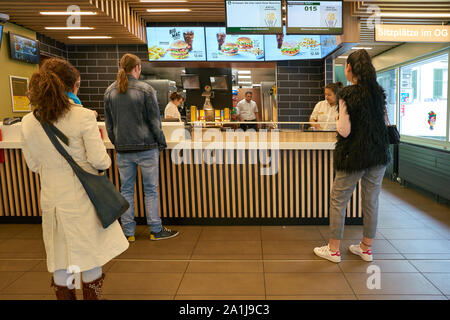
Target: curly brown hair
[48, 86]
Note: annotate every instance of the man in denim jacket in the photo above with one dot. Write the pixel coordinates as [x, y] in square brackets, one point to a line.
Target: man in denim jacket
[133, 124]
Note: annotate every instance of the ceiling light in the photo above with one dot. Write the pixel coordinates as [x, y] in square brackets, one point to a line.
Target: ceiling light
[163, 1]
[244, 72]
[359, 48]
[413, 15]
[69, 28]
[89, 37]
[68, 13]
[168, 10]
[245, 77]
[342, 57]
[245, 82]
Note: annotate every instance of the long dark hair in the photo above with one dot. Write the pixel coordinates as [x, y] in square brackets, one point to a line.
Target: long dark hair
[364, 71]
[48, 86]
[127, 63]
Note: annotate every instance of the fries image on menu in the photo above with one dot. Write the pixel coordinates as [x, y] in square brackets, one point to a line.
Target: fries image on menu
[270, 20]
[309, 43]
[155, 52]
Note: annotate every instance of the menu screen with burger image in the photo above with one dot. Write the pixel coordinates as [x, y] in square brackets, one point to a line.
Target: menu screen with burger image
[176, 43]
[253, 17]
[292, 47]
[232, 47]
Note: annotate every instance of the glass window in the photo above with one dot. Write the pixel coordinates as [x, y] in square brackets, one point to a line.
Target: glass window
[388, 81]
[423, 98]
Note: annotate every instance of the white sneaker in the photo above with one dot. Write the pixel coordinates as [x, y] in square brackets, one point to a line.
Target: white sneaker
[365, 255]
[326, 253]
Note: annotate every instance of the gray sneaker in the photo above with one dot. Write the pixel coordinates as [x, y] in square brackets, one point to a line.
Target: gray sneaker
[163, 234]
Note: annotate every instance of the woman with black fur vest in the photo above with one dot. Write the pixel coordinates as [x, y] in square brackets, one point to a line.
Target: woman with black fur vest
[362, 152]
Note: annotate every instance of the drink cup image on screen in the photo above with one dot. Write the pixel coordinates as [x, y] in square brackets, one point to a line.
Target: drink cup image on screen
[189, 39]
[220, 40]
[230, 49]
[179, 50]
[290, 48]
[244, 43]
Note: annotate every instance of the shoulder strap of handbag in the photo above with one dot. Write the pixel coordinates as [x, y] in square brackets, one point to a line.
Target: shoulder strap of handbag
[52, 132]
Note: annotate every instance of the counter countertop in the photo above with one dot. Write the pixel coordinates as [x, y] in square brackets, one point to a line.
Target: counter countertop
[178, 138]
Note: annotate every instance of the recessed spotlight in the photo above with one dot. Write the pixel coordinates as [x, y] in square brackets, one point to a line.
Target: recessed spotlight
[68, 13]
[168, 10]
[69, 28]
[244, 72]
[89, 37]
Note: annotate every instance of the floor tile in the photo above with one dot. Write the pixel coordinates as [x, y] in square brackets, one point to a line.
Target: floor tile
[406, 234]
[31, 283]
[227, 250]
[440, 280]
[148, 266]
[300, 266]
[164, 249]
[290, 233]
[219, 234]
[14, 246]
[224, 266]
[392, 222]
[17, 265]
[422, 246]
[431, 265]
[392, 283]
[243, 284]
[427, 256]
[346, 255]
[33, 232]
[289, 284]
[8, 277]
[165, 284]
[27, 297]
[361, 266]
[314, 297]
[8, 231]
[350, 232]
[401, 297]
[378, 246]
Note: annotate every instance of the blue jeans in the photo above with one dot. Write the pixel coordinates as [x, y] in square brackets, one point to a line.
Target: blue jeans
[127, 164]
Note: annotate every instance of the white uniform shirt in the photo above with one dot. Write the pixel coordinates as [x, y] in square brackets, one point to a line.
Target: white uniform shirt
[323, 112]
[171, 111]
[247, 110]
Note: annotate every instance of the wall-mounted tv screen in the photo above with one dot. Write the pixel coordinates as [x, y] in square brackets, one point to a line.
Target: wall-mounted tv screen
[24, 49]
[1, 35]
[221, 46]
[314, 17]
[176, 43]
[190, 81]
[253, 16]
[219, 83]
[292, 47]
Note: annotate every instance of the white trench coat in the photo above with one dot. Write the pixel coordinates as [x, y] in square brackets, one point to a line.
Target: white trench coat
[73, 235]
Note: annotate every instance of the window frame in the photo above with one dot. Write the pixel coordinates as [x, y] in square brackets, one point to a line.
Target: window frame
[429, 142]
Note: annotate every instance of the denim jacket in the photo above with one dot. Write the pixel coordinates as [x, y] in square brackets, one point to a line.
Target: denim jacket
[132, 119]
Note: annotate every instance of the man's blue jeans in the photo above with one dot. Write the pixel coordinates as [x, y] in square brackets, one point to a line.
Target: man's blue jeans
[127, 164]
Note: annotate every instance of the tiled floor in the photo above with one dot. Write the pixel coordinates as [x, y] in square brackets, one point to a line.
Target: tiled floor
[412, 250]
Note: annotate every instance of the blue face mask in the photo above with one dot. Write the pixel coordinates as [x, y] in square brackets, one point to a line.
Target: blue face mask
[72, 96]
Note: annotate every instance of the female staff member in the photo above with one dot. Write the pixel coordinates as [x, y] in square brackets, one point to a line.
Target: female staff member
[326, 110]
[171, 111]
[361, 152]
[74, 238]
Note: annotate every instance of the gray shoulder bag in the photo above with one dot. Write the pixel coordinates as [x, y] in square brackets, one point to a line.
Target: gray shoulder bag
[107, 200]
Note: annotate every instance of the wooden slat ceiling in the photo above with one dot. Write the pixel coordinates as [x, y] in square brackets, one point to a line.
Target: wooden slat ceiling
[124, 20]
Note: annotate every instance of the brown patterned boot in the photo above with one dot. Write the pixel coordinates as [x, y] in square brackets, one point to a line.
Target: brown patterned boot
[63, 293]
[92, 290]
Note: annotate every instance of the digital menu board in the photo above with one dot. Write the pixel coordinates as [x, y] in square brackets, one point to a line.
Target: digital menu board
[292, 47]
[328, 44]
[314, 17]
[176, 43]
[253, 16]
[24, 49]
[233, 47]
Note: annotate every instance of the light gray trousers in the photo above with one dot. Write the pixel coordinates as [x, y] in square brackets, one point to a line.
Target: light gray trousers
[343, 186]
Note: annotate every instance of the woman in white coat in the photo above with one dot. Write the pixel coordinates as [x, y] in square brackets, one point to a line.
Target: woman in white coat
[74, 238]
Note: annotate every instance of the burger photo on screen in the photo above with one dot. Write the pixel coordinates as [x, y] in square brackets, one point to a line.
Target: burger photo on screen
[289, 48]
[179, 49]
[244, 43]
[230, 49]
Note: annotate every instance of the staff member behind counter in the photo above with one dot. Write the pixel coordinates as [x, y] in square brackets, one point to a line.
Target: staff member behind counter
[326, 110]
[247, 110]
[171, 111]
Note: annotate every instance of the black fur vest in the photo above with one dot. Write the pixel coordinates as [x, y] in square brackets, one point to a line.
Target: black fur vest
[368, 144]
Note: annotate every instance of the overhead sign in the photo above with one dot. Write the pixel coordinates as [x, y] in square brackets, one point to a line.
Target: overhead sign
[412, 33]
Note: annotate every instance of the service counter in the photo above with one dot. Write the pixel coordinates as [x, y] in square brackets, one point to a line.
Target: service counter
[209, 177]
